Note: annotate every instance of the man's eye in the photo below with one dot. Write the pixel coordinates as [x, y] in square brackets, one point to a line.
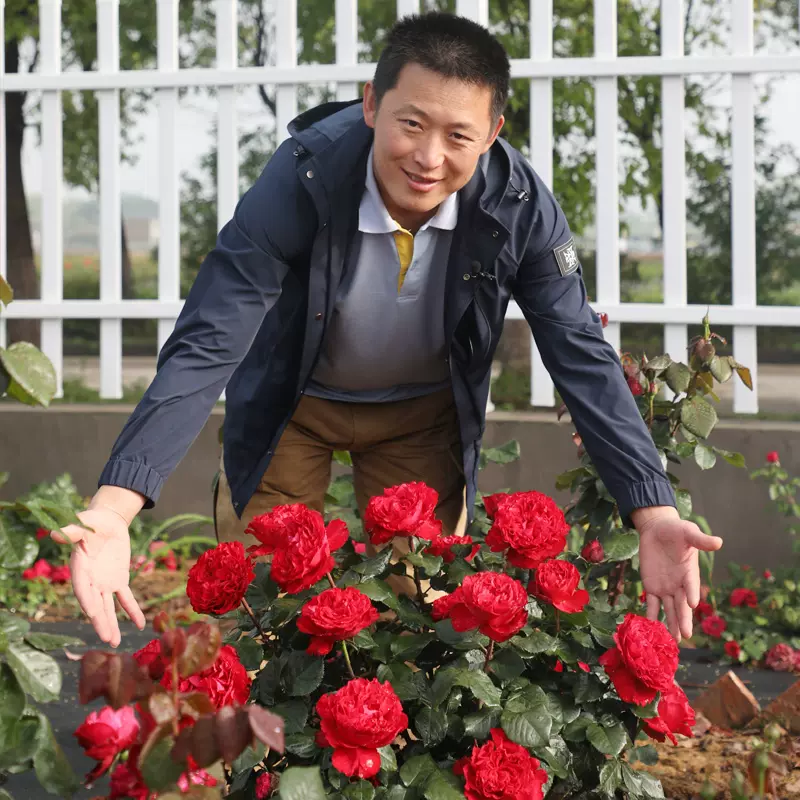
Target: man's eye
[460, 137]
[411, 123]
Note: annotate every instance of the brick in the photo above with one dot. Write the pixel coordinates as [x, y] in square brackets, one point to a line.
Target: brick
[728, 703]
[701, 724]
[785, 709]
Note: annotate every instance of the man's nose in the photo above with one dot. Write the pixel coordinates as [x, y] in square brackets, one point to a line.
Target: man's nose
[430, 154]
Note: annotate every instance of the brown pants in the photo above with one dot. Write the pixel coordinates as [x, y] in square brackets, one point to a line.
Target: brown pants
[390, 443]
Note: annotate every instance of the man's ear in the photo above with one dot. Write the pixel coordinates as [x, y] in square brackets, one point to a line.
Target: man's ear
[495, 133]
[370, 104]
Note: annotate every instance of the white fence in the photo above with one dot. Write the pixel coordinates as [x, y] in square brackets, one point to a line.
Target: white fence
[541, 68]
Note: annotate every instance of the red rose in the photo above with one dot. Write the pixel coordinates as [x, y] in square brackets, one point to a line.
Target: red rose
[42, 533]
[299, 543]
[780, 657]
[556, 582]
[767, 575]
[675, 715]
[195, 777]
[531, 527]
[442, 546]
[593, 552]
[733, 649]
[644, 661]
[168, 560]
[501, 770]
[744, 597]
[773, 457]
[225, 682]
[404, 510]
[358, 719]
[264, 785]
[333, 615]
[60, 574]
[604, 319]
[41, 569]
[127, 783]
[360, 548]
[493, 602]
[703, 610]
[104, 734]
[635, 386]
[491, 502]
[143, 564]
[713, 626]
[218, 581]
[559, 667]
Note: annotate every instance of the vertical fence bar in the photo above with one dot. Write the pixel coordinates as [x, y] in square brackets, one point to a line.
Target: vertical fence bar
[3, 156]
[346, 44]
[169, 203]
[227, 139]
[541, 150]
[407, 7]
[673, 127]
[743, 212]
[477, 10]
[606, 126]
[52, 247]
[110, 233]
[285, 56]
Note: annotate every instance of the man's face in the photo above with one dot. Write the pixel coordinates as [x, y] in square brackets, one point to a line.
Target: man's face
[429, 134]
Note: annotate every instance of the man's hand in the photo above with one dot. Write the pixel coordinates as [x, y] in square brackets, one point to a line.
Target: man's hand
[668, 563]
[100, 568]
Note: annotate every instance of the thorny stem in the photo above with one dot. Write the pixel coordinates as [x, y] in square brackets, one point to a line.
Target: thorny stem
[347, 659]
[331, 581]
[175, 694]
[489, 656]
[616, 589]
[558, 622]
[418, 584]
[255, 621]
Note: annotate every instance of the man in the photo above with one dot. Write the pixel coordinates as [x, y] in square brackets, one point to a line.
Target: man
[355, 301]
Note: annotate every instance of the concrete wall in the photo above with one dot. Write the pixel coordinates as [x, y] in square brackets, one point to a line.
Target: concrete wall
[38, 445]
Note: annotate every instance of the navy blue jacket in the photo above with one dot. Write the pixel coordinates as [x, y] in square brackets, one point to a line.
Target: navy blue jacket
[255, 317]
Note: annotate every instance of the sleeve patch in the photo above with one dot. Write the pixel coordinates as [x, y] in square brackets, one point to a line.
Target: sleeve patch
[567, 258]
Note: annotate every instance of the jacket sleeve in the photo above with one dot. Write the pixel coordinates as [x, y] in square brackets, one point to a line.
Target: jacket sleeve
[585, 368]
[237, 284]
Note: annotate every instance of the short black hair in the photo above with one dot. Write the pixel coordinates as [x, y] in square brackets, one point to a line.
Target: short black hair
[453, 46]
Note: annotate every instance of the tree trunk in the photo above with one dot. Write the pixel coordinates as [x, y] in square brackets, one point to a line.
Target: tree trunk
[19, 247]
[127, 268]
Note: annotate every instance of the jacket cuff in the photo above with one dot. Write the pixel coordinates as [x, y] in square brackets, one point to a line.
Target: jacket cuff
[133, 475]
[642, 495]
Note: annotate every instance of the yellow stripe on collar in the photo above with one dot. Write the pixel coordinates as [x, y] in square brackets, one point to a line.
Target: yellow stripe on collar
[404, 240]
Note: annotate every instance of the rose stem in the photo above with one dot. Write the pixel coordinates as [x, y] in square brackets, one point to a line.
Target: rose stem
[255, 621]
[175, 699]
[331, 581]
[347, 659]
[558, 622]
[489, 656]
[418, 584]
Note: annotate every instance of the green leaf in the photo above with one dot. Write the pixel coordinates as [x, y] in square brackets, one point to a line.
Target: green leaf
[37, 672]
[678, 376]
[388, 758]
[401, 678]
[721, 368]
[431, 725]
[645, 753]
[443, 786]
[640, 784]
[648, 711]
[33, 377]
[684, 500]
[53, 771]
[734, 459]
[269, 680]
[621, 546]
[372, 567]
[301, 783]
[6, 292]
[262, 590]
[535, 643]
[342, 457]
[246, 760]
[611, 777]
[478, 724]
[507, 665]
[526, 718]
[610, 740]
[341, 491]
[250, 652]
[480, 684]
[566, 479]
[363, 640]
[658, 364]
[294, 713]
[303, 673]
[18, 549]
[698, 416]
[19, 740]
[52, 641]
[380, 592]
[468, 640]
[504, 454]
[557, 756]
[408, 648]
[12, 697]
[159, 770]
[363, 790]
[302, 745]
[12, 626]
[705, 457]
[431, 565]
[417, 770]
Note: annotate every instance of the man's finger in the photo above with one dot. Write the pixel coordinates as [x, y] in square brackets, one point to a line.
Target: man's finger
[128, 602]
[684, 614]
[672, 617]
[111, 619]
[653, 607]
[91, 602]
[691, 586]
[70, 533]
[694, 537]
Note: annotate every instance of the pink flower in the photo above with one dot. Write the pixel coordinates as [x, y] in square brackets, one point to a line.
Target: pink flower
[41, 569]
[104, 734]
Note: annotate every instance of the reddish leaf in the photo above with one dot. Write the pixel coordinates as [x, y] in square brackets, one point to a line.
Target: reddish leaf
[204, 746]
[93, 679]
[201, 650]
[161, 622]
[266, 727]
[161, 707]
[196, 704]
[173, 643]
[232, 731]
[126, 681]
